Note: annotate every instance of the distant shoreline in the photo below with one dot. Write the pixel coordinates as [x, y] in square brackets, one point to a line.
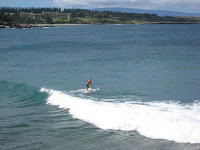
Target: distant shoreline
[22, 26]
[58, 24]
[120, 23]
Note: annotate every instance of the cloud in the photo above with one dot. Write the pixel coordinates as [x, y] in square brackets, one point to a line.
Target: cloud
[143, 4]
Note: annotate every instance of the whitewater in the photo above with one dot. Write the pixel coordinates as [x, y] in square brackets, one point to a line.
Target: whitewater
[168, 120]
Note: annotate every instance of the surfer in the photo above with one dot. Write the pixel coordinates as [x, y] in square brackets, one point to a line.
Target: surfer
[87, 84]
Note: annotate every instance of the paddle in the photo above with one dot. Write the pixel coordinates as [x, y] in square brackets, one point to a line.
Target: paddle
[95, 88]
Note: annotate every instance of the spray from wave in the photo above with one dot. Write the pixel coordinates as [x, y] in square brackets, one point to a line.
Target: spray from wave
[157, 120]
[84, 91]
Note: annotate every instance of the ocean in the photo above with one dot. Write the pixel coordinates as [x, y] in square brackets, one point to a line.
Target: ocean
[145, 94]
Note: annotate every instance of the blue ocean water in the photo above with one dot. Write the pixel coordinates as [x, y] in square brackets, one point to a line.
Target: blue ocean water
[145, 94]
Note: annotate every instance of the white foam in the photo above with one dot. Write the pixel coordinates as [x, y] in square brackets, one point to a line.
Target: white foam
[157, 120]
[90, 90]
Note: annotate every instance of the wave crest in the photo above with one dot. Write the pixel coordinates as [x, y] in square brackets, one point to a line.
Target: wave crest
[157, 120]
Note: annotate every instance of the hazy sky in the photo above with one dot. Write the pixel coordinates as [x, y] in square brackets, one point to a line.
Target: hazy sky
[192, 6]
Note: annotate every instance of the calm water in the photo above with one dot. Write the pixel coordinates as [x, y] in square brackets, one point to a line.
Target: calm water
[146, 82]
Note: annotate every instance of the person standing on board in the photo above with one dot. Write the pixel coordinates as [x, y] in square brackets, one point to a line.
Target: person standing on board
[87, 84]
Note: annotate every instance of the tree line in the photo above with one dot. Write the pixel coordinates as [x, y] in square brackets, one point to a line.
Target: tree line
[12, 14]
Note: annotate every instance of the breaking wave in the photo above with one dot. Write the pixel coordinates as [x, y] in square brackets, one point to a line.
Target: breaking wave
[157, 120]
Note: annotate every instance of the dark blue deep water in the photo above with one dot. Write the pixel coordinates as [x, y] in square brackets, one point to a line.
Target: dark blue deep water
[145, 94]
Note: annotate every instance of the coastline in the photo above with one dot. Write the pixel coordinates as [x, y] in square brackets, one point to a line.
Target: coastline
[22, 26]
[119, 23]
[58, 24]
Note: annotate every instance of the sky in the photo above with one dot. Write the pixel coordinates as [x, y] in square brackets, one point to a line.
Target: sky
[190, 6]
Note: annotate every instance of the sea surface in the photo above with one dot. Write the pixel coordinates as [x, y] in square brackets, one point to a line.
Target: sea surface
[145, 94]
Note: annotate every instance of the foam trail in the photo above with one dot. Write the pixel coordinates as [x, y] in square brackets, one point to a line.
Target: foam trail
[157, 120]
[90, 90]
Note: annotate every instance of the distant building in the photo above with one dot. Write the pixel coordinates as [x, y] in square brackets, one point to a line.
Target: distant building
[43, 14]
[11, 14]
[116, 18]
[50, 14]
[68, 15]
[57, 15]
[191, 17]
[29, 15]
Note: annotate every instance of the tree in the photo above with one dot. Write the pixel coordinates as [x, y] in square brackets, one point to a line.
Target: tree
[49, 20]
[4, 17]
